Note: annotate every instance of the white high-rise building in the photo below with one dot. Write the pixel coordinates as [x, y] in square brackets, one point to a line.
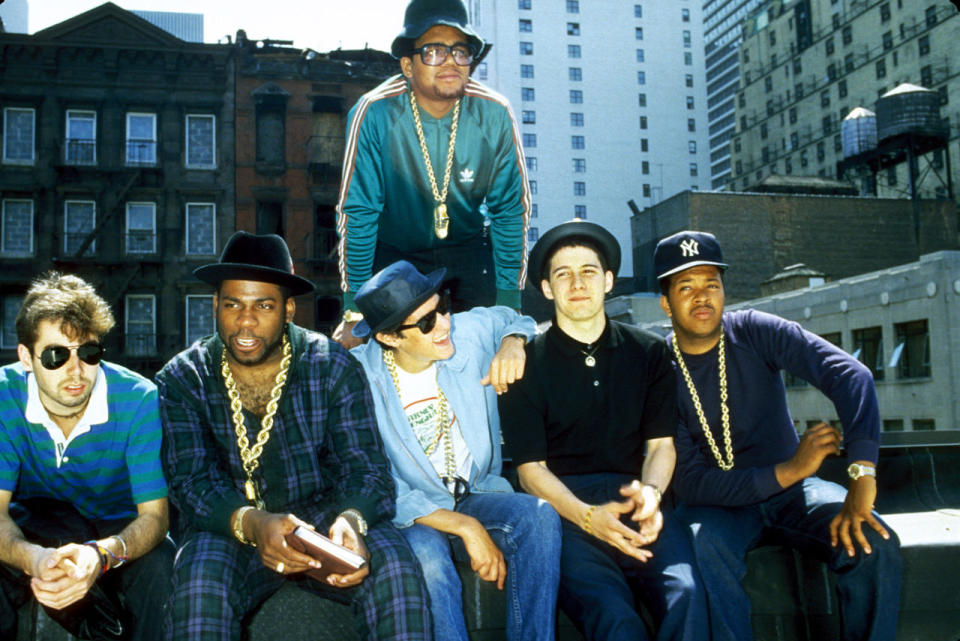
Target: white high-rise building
[611, 103]
[14, 14]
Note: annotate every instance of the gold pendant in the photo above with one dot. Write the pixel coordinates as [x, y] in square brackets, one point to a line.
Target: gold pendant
[441, 222]
[250, 489]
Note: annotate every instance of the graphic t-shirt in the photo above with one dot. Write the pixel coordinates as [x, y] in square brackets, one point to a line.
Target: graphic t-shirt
[418, 393]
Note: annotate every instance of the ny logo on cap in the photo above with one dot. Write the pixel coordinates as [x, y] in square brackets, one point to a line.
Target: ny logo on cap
[690, 247]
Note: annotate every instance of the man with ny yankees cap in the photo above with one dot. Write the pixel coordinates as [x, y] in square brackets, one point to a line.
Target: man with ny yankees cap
[743, 475]
[267, 427]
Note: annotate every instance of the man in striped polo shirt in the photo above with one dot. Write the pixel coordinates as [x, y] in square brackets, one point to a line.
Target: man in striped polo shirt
[83, 501]
[432, 156]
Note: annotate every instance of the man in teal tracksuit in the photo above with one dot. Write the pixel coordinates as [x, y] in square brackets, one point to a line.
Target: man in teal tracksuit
[403, 196]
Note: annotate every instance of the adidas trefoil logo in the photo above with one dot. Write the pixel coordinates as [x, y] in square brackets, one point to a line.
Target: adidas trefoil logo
[466, 175]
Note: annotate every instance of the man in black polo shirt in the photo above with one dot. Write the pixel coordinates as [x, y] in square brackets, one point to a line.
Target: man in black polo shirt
[590, 427]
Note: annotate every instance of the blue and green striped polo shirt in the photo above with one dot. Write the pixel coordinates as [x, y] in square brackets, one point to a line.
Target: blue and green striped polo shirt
[106, 471]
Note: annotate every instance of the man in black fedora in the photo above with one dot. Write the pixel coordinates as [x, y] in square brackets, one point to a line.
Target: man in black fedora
[434, 171]
[743, 474]
[268, 426]
[590, 427]
[435, 379]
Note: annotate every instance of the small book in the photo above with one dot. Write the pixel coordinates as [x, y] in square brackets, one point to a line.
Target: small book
[334, 558]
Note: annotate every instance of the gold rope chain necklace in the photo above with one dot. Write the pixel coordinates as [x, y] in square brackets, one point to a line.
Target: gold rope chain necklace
[442, 430]
[441, 222]
[725, 465]
[251, 456]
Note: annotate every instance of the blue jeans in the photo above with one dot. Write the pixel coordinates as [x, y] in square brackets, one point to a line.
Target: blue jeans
[600, 586]
[868, 584]
[527, 531]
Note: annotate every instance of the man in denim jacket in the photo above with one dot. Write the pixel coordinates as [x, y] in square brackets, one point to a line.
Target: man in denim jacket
[434, 379]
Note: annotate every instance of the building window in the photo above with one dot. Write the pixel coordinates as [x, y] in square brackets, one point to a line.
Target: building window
[533, 187]
[689, 102]
[888, 41]
[797, 66]
[763, 131]
[835, 21]
[688, 80]
[646, 190]
[533, 235]
[804, 159]
[528, 117]
[482, 71]
[773, 38]
[573, 28]
[201, 229]
[643, 122]
[526, 71]
[575, 74]
[637, 11]
[881, 68]
[821, 151]
[842, 88]
[787, 166]
[576, 119]
[140, 328]
[642, 99]
[524, 4]
[201, 141]
[768, 84]
[687, 59]
[638, 33]
[644, 145]
[577, 142]
[141, 139]
[579, 188]
[924, 44]
[830, 46]
[892, 425]
[827, 124]
[579, 165]
[641, 77]
[832, 71]
[17, 231]
[534, 210]
[693, 169]
[885, 12]
[141, 228]
[529, 141]
[199, 320]
[19, 126]
[685, 15]
[926, 76]
[526, 26]
[692, 146]
[573, 6]
[931, 15]
[923, 424]
[846, 35]
[691, 124]
[911, 356]
[526, 48]
[837, 144]
[687, 43]
[825, 98]
[531, 163]
[868, 348]
[580, 211]
[79, 220]
[528, 94]
[573, 51]
[81, 147]
[8, 321]
[792, 115]
[640, 55]
[576, 97]
[645, 167]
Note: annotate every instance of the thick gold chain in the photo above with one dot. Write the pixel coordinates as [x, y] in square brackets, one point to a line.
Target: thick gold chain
[441, 221]
[442, 430]
[725, 465]
[251, 456]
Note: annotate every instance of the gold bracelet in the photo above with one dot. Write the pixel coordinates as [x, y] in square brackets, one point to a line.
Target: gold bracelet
[351, 316]
[238, 525]
[586, 519]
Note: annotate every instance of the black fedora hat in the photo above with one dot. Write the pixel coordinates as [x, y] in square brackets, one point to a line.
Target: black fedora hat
[391, 294]
[264, 259]
[423, 14]
[571, 230]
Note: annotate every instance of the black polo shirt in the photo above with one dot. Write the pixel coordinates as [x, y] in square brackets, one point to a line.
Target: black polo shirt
[582, 419]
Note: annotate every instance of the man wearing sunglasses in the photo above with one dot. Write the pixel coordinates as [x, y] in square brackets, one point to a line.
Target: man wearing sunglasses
[433, 170]
[435, 379]
[83, 501]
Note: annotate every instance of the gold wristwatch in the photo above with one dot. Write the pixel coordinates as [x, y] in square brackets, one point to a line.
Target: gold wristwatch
[351, 316]
[857, 470]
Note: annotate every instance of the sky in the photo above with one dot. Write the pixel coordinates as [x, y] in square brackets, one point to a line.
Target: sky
[321, 25]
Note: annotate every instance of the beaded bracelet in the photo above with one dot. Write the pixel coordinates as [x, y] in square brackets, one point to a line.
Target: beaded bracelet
[102, 554]
[586, 519]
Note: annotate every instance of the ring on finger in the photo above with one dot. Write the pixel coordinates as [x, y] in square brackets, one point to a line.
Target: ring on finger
[280, 567]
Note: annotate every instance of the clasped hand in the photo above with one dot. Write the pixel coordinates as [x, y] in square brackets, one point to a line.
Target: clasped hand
[62, 576]
[644, 510]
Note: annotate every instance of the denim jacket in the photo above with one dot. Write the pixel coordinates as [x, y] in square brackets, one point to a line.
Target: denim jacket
[476, 337]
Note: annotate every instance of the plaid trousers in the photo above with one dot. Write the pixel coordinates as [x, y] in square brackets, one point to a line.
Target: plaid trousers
[218, 582]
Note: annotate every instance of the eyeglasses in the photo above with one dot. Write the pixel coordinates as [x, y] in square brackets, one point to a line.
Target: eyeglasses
[56, 356]
[435, 54]
[429, 320]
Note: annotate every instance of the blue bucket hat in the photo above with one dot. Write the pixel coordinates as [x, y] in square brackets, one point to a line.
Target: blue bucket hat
[423, 14]
[391, 295]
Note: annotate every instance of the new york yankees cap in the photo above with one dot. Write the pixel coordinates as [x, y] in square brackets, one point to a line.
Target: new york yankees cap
[684, 250]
